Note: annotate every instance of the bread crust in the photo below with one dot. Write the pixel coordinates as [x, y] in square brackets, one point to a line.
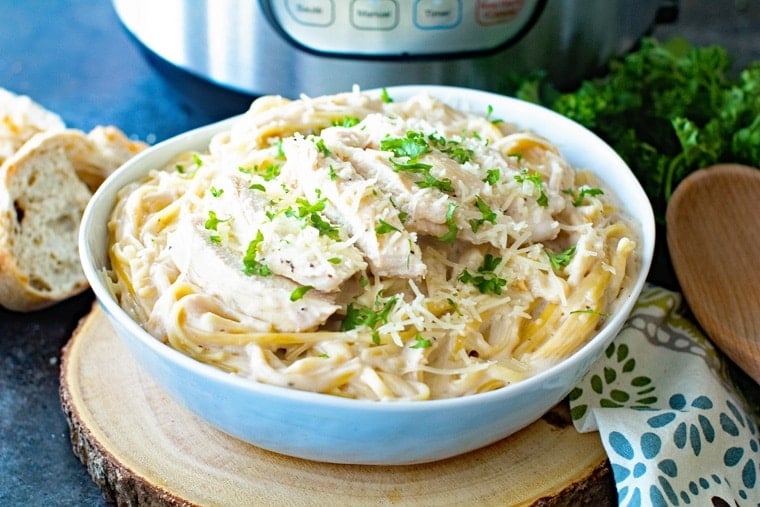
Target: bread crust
[20, 119]
[41, 205]
[44, 189]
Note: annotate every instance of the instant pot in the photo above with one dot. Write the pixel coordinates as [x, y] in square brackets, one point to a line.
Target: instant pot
[289, 47]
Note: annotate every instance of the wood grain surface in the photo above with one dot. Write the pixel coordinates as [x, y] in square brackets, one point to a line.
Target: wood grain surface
[142, 448]
[713, 233]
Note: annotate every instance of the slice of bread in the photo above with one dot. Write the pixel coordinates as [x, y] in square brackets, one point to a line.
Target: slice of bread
[44, 188]
[41, 205]
[20, 119]
[107, 149]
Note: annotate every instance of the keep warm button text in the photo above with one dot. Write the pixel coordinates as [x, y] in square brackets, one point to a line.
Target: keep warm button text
[374, 14]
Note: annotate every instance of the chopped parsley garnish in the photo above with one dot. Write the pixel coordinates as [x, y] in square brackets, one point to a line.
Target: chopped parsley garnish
[332, 173]
[385, 97]
[535, 179]
[451, 234]
[321, 148]
[486, 281]
[300, 292]
[308, 213]
[269, 171]
[324, 227]
[216, 192]
[346, 121]
[279, 153]
[384, 227]
[362, 316]
[257, 186]
[266, 171]
[561, 259]
[420, 342]
[489, 215]
[213, 221]
[412, 146]
[334, 260]
[489, 116]
[430, 181]
[251, 265]
[197, 161]
[453, 149]
[582, 193]
[492, 177]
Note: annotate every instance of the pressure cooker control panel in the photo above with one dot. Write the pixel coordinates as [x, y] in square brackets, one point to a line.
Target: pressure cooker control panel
[402, 28]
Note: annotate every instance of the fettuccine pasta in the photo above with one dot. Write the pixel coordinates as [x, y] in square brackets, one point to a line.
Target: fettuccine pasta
[374, 249]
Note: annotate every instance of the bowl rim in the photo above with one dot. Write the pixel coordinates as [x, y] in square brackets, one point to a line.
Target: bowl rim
[199, 137]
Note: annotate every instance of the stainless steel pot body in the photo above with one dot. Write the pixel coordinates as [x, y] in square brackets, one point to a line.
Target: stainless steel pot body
[315, 47]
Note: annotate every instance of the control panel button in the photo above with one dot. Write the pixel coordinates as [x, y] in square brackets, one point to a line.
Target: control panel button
[437, 14]
[494, 12]
[312, 12]
[374, 14]
[402, 28]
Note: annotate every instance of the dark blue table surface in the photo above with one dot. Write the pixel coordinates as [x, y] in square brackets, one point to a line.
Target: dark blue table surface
[74, 58]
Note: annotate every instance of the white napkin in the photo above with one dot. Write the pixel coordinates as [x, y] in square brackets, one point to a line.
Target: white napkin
[677, 431]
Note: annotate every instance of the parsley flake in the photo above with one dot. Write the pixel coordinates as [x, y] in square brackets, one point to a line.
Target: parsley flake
[251, 265]
[489, 215]
[561, 259]
[213, 221]
[384, 227]
[492, 177]
[486, 281]
[535, 179]
[451, 235]
[385, 97]
[362, 316]
[300, 292]
[582, 193]
[420, 342]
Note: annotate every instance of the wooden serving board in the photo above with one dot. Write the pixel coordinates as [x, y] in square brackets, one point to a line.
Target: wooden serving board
[142, 448]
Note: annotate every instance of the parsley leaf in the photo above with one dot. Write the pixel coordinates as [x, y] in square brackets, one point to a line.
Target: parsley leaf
[451, 235]
[346, 121]
[300, 292]
[561, 259]
[486, 281]
[489, 215]
[385, 97]
[582, 193]
[413, 145]
[420, 342]
[359, 316]
[535, 179]
[492, 176]
[309, 214]
[384, 227]
[251, 266]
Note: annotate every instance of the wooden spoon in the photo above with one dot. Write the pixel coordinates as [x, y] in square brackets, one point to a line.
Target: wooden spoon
[713, 232]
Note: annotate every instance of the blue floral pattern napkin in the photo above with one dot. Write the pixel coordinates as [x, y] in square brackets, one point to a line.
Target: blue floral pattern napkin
[676, 429]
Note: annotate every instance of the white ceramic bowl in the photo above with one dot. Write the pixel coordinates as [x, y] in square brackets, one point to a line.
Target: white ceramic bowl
[328, 428]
